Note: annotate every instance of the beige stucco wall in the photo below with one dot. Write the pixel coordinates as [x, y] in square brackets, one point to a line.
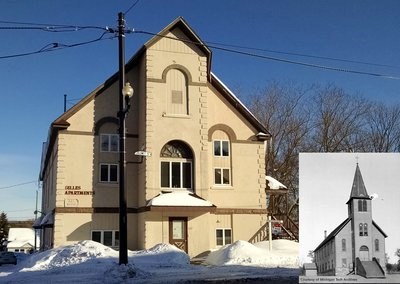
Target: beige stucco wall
[149, 128]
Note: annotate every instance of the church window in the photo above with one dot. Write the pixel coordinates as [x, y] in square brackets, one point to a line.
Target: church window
[362, 205]
[363, 228]
[176, 166]
[376, 245]
[343, 244]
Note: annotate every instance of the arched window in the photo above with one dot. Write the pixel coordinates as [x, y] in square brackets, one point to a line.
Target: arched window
[376, 245]
[360, 205]
[361, 229]
[176, 166]
[222, 158]
[177, 93]
[365, 229]
[343, 244]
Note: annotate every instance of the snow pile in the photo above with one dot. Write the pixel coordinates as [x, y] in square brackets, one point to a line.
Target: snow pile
[164, 255]
[77, 253]
[284, 254]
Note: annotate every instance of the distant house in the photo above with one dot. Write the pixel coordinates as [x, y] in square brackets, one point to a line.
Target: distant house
[357, 245]
[21, 240]
[202, 187]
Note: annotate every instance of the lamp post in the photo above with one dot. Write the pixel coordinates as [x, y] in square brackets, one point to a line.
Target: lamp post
[125, 93]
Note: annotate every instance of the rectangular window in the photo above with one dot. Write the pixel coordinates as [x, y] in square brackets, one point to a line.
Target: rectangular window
[221, 148]
[344, 262]
[223, 237]
[176, 175]
[164, 174]
[107, 238]
[109, 173]
[221, 176]
[109, 142]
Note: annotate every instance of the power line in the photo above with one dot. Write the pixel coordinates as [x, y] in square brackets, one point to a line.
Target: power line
[131, 7]
[302, 55]
[19, 184]
[305, 64]
[56, 46]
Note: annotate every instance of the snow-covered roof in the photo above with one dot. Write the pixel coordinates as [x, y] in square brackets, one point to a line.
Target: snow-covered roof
[48, 219]
[20, 234]
[178, 198]
[273, 183]
[21, 237]
[19, 244]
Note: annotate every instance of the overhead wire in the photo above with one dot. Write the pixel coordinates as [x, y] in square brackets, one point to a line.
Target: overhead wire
[131, 7]
[214, 45]
[305, 64]
[19, 184]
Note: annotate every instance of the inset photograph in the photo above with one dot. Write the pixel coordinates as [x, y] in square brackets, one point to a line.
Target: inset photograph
[349, 217]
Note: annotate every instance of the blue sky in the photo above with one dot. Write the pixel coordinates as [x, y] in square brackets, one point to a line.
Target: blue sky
[32, 87]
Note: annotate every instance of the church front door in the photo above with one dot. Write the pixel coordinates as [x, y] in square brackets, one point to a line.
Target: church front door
[364, 253]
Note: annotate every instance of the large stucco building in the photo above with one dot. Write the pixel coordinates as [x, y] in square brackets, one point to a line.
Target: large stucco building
[203, 186]
[357, 245]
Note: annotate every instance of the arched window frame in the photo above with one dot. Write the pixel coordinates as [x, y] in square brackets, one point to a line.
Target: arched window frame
[176, 166]
[376, 245]
[343, 244]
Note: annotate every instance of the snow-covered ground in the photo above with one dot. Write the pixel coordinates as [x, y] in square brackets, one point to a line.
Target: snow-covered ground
[91, 262]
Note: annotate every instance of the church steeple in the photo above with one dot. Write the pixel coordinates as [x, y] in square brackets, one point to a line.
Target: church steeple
[358, 189]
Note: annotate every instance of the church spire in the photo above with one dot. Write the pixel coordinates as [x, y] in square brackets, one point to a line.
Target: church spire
[358, 189]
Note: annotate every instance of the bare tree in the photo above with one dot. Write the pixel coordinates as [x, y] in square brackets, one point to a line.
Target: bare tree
[382, 131]
[281, 108]
[338, 120]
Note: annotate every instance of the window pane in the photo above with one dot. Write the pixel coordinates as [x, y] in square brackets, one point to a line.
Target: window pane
[228, 236]
[217, 176]
[104, 173]
[365, 205]
[226, 176]
[164, 174]
[187, 175]
[178, 232]
[219, 235]
[176, 175]
[225, 148]
[113, 173]
[116, 238]
[96, 236]
[365, 229]
[360, 205]
[104, 143]
[107, 238]
[217, 148]
[114, 143]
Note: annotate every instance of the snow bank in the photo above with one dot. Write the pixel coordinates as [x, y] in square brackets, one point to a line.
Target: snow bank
[69, 255]
[283, 254]
[160, 255]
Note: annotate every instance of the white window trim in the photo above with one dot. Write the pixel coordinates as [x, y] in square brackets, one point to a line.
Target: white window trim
[220, 144]
[109, 143]
[223, 236]
[108, 179]
[181, 161]
[222, 184]
[102, 236]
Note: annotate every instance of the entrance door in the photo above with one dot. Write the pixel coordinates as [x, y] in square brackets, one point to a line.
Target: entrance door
[364, 253]
[178, 232]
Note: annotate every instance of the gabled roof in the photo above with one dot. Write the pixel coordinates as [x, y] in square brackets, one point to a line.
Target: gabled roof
[379, 229]
[333, 233]
[358, 189]
[340, 227]
[61, 123]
